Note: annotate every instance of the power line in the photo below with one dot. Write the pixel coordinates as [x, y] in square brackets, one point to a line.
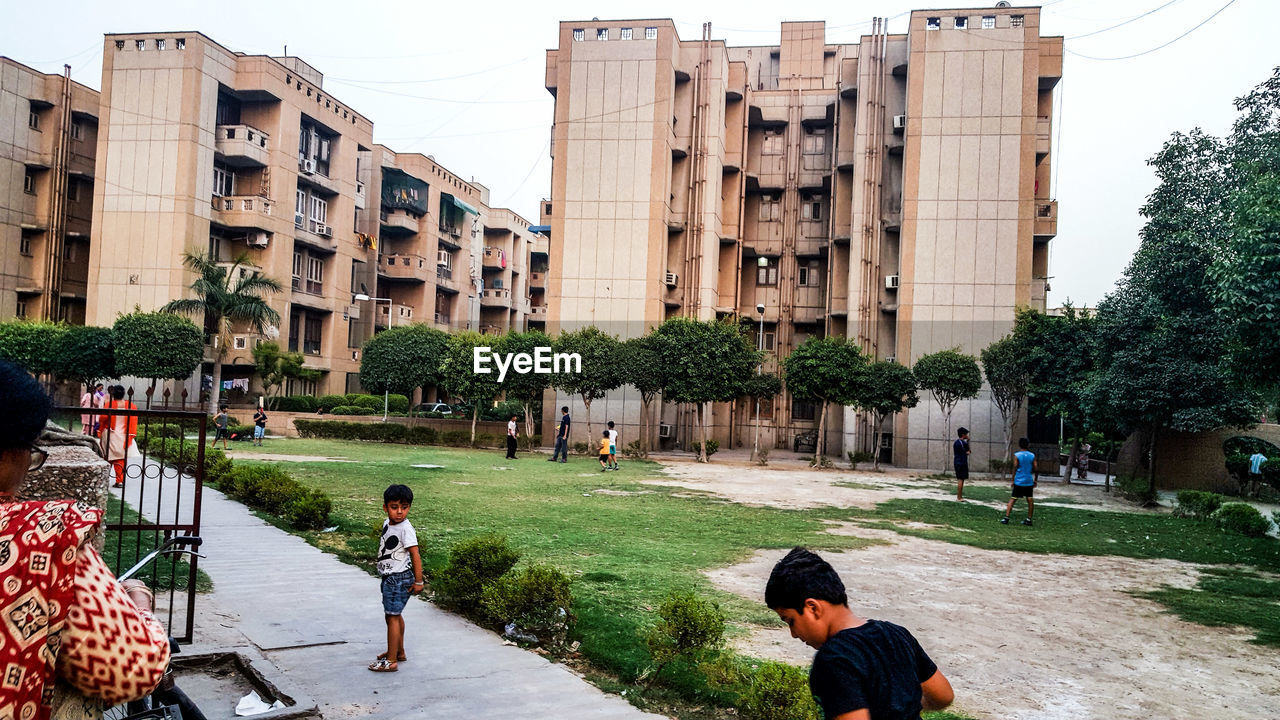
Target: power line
[537, 161]
[1126, 22]
[1159, 47]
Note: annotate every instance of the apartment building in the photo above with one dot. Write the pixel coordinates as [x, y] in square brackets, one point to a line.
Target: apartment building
[201, 151]
[48, 131]
[894, 191]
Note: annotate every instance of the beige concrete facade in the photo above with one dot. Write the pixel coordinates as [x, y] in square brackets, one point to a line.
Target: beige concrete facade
[895, 191]
[48, 132]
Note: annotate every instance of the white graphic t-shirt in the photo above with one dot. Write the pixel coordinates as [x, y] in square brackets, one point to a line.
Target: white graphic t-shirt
[613, 438]
[393, 547]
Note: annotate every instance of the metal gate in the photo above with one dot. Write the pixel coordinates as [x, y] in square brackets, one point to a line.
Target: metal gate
[157, 457]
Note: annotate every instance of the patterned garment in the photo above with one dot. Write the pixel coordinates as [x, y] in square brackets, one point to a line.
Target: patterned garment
[61, 611]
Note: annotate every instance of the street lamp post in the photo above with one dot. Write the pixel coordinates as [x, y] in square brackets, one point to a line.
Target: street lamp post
[362, 297]
[755, 447]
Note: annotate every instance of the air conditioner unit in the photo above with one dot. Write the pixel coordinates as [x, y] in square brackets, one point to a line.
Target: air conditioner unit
[258, 238]
[325, 231]
[664, 430]
[899, 123]
[890, 282]
[455, 232]
[299, 219]
[309, 165]
[671, 279]
[442, 257]
[497, 283]
[891, 359]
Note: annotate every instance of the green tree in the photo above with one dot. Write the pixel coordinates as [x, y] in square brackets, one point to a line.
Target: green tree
[827, 370]
[275, 367]
[601, 369]
[706, 361]
[1162, 348]
[226, 298]
[889, 389]
[403, 358]
[158, 346]
[457, 373]
[640, 360]
[1059, 356]
[29, 343]
[950, 376]
[525, 388]
[1004, 364]
[760, 388]
[85, 354]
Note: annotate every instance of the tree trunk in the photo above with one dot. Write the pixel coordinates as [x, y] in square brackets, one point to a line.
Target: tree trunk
[216, 391]
[475, 415]
[819, 442]
[528, 425]
[1008, 438]
[946, 440]
[755, 444]
[644, 424]
[875, 440]
[1151, 469]
[586, 402]
[702, 430]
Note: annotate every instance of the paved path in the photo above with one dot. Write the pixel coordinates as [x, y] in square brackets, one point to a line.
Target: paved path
[320, 622]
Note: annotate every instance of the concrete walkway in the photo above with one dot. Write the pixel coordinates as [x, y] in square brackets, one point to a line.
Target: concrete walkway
[320, 622]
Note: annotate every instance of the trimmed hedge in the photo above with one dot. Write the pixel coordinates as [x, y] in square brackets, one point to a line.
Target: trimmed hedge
[351, 410]
[393, 433]
[294, 403]
[473, 565]
[1197, 504]
[1243, 519]
[329, 402]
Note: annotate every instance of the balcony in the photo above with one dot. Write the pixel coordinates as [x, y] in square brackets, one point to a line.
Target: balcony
[538, 312]
[446, 282]
[407, 267]
[1046, 222]
[392, 314]
[398, 222]
[491, 330]
[442, 319]
[450, 236]
[314, 233]
[811, 246]
[495, 297]
[242, 145]
[242, 211]
[1042, 136]
[309, 174]
[538, 279]
[494, 259]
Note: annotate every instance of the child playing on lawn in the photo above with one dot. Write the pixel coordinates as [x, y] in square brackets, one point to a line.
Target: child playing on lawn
[863, 668]
[604, 451]
[1025, 476]
[400, 566]
[613, 447]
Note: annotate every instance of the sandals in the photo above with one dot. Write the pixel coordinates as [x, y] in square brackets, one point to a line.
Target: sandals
[383, 666]
[399, 658]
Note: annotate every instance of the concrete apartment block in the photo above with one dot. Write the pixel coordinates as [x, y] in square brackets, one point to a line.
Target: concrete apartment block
[893, 191]
[48, 132]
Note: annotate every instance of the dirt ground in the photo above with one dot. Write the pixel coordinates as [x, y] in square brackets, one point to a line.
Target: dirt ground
[1021, 636]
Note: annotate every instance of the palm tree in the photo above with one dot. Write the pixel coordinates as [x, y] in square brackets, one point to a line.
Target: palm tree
[226, 297]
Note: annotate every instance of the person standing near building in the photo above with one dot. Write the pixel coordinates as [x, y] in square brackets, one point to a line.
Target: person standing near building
[86, 419]
[561, 450]
[511, 438]
[960, 449]
[259, 424]
[116, 433]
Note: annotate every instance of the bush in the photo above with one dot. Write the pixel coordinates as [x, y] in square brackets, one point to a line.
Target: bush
[1000, 466]
[712, 447]
[456, 438]
[1136, 488]
[632, 450]
[537, 600]
[398, 403]
[859, 456]
[368, 402]
[328, 402]
[778, 691]
[580, 448]
[309, 511]
[350, 410]
[762, 456]
[274, 491]
[1243, 519]
[217, 467]
[688, 627]
[421, 435]
[821, 461]
[293, 403]
[1197, 504]
[473, 565]
[503, 411]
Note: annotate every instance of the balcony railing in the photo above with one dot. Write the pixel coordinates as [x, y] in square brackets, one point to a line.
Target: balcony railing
[1042, 135]
[1046, 222]
[537, 279]
[397, 314]
[403, 267]
[242, 145]
[496, 297]
[244, 211]
[495, 258]
[398, 222]
[538, 311]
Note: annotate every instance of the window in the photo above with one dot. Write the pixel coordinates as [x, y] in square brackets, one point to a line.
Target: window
[767, 343]
[772, 143]
[767, 274]
[602, 34]
[239, 342]
[224, 182]
[29, 182]
[809, 274]
[962, 23]
[815, 141]
[73, 191]
[21, 310]
[651, 33]
[811, 208]
[769, 208]
[24, 244]
[119, 44]
[33, 120]
[140, 44]
[181, 43]
[298, 261]
[77, 131]
[215, 246]
[803, 410]
[311, 335]
[933, 23]
[988, 22]
[319, 209]
[579, 35]
[300, 208]
[315, 275]
[1015, 20]
[159, 44]
[355, 336]
[624, 34]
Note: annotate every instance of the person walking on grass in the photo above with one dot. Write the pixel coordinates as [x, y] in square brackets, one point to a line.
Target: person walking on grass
[259, 424]
[864, 669]
[1256, 461]
[562, 437]
[400, 567]
[220, 428]
[613, 447]
[511, 438]
[1026, 473]
[604, 451]
[960, 449]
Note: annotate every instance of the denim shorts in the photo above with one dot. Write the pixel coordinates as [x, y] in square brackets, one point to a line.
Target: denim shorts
[395, 591]
[258, 432]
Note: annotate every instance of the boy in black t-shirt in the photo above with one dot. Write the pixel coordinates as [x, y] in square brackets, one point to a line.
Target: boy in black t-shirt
[864, 669]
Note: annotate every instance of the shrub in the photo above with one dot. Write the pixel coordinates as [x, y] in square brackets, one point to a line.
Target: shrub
[473, 565]
[536, 599]
[455, 438]
[293, 403]
[1136, 488]
[632, 450]
[217, 467]
[1197, 504]
[1000, 466]
[309, 511]
[367, 401]
[274, 491]
[712, 447]
[777, 691]
[421, 435]
[856, 457]
[580, 448]
[350, 410]
[821, 461]
[762, 456]
[688, 627]
[398, 403]
[1243, 519]
[328, 402]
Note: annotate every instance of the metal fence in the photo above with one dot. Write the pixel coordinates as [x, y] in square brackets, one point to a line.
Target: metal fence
[156, 449]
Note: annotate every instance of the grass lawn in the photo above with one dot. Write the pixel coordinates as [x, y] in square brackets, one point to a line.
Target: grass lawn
[122, 549]
[997, 493]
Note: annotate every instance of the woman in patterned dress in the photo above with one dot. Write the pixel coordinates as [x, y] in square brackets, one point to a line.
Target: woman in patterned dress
[72, 639]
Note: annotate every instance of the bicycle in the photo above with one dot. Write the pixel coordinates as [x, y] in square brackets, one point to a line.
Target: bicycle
[167, 701]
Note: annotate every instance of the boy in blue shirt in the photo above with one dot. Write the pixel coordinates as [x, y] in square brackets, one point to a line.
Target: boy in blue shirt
[1025, 476]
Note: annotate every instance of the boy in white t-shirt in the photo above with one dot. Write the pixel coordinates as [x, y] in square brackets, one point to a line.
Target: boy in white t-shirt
[613, 447]
[400, 566]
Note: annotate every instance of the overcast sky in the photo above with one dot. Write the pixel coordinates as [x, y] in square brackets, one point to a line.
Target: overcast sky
[463, 81]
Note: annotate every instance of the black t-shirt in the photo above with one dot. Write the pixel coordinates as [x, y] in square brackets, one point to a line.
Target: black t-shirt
[877, 665]
[564, 426]
[260, 419]
[961, 448]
